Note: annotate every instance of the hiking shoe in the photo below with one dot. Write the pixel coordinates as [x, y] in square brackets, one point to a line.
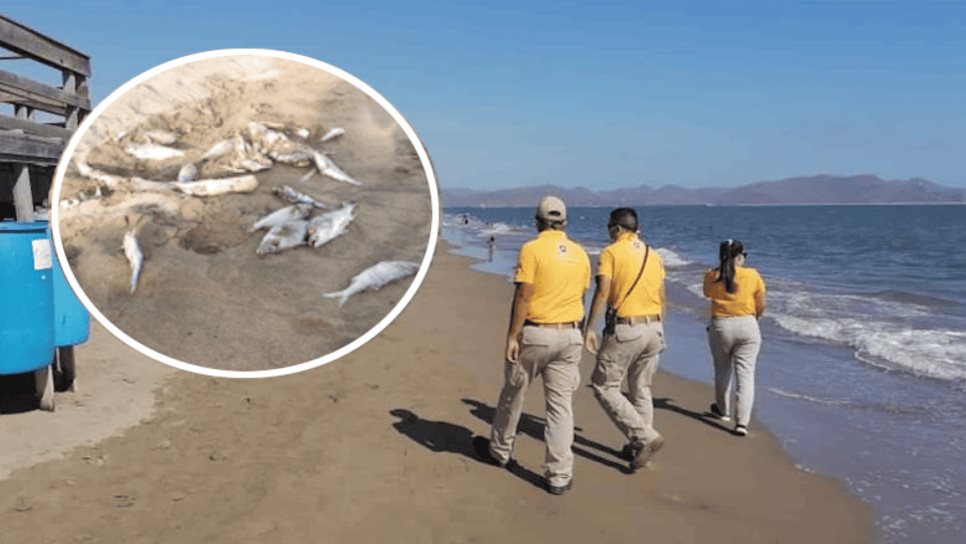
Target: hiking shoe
[741, 430]
[560, 489]
[644, 452]
[716, 412]
[481, 445]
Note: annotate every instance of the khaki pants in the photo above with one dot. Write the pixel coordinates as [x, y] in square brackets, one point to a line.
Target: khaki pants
[632, 351]
[553, 354]
[735, 342]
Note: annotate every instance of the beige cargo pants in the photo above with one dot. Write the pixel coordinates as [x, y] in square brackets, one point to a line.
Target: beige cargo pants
[553, 354]
[632, 352]
[735, 343]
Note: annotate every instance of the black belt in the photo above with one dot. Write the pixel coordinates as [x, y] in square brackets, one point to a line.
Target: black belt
[638, 319]
[565, 325]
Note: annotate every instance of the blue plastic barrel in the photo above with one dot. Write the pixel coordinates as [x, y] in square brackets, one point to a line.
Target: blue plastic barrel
[72, 323]
[26, 297]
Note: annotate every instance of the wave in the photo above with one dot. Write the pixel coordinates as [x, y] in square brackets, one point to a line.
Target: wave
[932, 353]
[672, 259]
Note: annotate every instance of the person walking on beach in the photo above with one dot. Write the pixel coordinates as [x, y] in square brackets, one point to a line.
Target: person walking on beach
[737, 296]
[544, 339]
[491, 246]
[630, 278]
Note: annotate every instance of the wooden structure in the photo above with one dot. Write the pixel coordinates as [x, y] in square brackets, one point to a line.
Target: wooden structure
[30, 147]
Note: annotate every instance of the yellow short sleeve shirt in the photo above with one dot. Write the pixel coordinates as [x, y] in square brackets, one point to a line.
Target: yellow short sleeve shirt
[559, 271]
[748, 284]
[621, 262]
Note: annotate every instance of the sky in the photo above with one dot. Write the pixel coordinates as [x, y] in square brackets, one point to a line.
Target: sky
[604, 94]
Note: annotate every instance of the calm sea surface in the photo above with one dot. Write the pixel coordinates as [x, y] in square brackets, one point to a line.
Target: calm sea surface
[863, 373]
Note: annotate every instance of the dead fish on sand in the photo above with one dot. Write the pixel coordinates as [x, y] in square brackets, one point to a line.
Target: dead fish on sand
[332, 134]
[295, 197]
[329, 168]
[220, 186]
[295, 158]
[284, 215]
[326, 227]
[283, 236]
[134, 257]
[152, 152]
[219, 149]
[188, 172]
[375, 277]
[162, 137]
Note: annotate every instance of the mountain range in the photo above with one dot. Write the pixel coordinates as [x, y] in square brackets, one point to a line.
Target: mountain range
[822, 189]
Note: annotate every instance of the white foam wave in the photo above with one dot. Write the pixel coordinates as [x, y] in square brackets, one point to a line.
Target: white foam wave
[931, 353]
[496, 228]
[809, 398]
[672, 259]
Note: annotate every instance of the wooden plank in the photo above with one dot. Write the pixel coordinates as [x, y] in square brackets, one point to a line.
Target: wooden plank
[26, 41]
[71, 114]
[34, 91]
[37, 129]
[19, 148]
[23, 199]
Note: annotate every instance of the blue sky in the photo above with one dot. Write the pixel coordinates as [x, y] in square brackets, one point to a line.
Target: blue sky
[604, 95]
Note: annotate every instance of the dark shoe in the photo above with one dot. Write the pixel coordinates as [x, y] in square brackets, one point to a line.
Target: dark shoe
[481, 445]
[627, 452]
[560, 489]
[716, 412]
[644, 452]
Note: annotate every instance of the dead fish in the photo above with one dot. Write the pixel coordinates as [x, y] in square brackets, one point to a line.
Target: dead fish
[219, 149]
[375, 277]
[134, 257]
[302, 132]
[329, 168]
[283, 215]
[283, 236]
[152, 152]
[162, 137]
[295, 158]
[328, 226]
[220, 186]
[295, 197]
[332, 134]
[188, 172]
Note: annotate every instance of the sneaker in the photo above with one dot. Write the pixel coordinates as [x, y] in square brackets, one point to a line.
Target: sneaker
[644, 452]
[481, 445]
[718, 413]
[741, 430]
[560, 489]
[627, 452]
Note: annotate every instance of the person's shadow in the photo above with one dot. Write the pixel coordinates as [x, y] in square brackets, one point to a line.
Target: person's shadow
[665, 403]
[442, 436]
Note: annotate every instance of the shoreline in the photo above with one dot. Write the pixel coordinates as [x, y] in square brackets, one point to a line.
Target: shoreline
[385, 433]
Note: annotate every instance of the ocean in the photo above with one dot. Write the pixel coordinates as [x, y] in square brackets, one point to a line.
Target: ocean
[863, 371]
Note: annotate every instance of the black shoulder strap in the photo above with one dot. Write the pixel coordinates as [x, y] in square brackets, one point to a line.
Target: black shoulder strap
[647, 252]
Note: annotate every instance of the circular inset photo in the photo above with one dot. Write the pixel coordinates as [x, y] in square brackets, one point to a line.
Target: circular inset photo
[245, 213]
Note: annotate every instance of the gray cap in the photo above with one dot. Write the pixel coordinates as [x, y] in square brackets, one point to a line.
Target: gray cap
[551, 208]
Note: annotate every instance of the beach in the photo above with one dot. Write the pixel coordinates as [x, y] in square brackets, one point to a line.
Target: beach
[376, 447]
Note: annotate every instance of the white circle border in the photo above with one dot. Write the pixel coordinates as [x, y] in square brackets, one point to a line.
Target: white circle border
[269, 373]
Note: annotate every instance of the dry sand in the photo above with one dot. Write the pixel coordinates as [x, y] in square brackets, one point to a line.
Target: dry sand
[204, 297]
[376, 448]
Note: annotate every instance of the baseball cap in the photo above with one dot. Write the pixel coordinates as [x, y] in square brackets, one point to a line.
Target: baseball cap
[551, 208]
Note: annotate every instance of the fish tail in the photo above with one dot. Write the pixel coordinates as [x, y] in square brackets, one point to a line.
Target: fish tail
[341, 295]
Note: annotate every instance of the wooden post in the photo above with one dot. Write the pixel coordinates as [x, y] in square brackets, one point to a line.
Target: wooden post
[71, 113]
[23, 198]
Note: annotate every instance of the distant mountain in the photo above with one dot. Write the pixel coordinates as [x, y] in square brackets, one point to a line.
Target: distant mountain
[822, 189]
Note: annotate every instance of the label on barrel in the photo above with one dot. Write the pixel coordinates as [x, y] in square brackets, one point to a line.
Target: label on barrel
[42, 259]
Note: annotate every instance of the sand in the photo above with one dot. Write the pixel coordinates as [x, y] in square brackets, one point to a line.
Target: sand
[376, 448]
[204, 297]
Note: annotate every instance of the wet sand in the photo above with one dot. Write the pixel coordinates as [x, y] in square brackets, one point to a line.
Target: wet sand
[376, 448]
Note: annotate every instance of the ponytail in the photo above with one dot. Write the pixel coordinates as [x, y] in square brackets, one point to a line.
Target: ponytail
[727, 252]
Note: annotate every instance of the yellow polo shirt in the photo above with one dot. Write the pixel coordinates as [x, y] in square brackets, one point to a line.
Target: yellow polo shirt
[748, 285]
[621, 262]
[559, 271]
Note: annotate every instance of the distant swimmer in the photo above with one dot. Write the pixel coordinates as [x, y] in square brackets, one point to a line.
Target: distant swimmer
[544, 339]
[491, 246]
[630, 278]
[737, 296]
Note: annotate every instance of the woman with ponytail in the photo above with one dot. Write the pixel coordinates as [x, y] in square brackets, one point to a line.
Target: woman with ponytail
[737, 296]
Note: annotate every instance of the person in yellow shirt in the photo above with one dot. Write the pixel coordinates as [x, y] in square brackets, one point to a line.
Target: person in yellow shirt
[630, 278]
[544, 339]
[737, 296]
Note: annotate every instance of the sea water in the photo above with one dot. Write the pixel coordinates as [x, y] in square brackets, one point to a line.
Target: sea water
[863, 370]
